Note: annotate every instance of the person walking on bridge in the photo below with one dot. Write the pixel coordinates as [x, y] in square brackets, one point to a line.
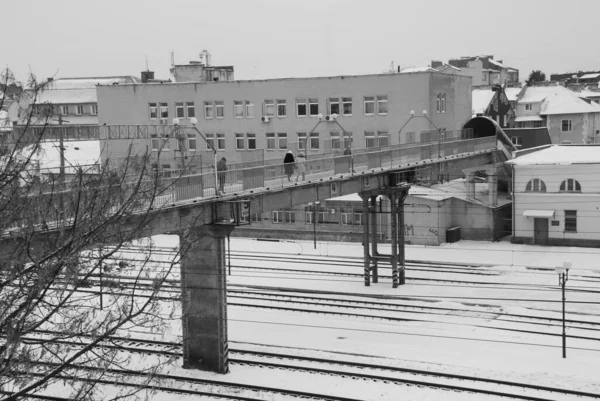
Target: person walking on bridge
[301, 166]
[221, 172]
[288, 164]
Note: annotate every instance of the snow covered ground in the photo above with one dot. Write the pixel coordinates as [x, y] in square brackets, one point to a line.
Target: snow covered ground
[476, 340]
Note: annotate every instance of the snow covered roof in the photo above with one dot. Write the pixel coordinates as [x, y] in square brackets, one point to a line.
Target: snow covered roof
[512, 93]
[567, 104]
[497, 64]
[80, 153]
[538, 93]
[457, 189]
[428, 193]
[77, 90]
[589, 94]
[560, 154]
[528, 118]
[589, 76]
[418, 69]
[481, 100]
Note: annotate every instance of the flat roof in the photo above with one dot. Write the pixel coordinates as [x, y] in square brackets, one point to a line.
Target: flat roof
[403, 75]
[560, 155]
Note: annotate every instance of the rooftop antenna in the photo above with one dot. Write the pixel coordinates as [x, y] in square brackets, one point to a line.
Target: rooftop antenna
[147, 63]
[172, 58]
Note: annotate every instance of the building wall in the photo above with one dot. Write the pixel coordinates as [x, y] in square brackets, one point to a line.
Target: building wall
[476, 222]
[128, 104]
[585, 203]
[425, 221]
[578, 133]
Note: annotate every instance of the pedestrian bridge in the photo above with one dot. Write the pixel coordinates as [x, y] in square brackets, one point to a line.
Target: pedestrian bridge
[190, 206]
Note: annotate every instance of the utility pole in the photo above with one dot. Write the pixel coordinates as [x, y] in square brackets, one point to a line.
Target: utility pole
[61, 173]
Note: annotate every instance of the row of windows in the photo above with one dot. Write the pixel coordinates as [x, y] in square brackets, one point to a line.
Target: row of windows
[537, 185]
[65, 109]
[342, 106]
[274, 141]
[324, 217]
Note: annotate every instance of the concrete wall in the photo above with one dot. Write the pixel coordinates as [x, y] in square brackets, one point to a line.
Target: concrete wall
[128, 104]
[585, 203]
[476, 222]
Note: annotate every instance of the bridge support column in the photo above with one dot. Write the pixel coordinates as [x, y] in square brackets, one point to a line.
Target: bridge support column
[372, 257]
[204, 298]
[493, 189]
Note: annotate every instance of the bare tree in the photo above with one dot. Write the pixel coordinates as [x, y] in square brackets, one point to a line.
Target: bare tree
[59, 323]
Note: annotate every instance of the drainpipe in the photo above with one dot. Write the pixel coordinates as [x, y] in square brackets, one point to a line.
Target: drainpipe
[513, 201]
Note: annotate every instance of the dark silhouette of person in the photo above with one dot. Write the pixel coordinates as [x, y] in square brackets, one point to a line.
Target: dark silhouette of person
[221, 171]
[288, 164]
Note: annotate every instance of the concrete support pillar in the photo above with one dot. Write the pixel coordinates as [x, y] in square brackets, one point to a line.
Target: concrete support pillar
[367, 259]
[470, 185]
[204, 298]
[493, 189]
[374, 230]
[401, 247]
[394, 224]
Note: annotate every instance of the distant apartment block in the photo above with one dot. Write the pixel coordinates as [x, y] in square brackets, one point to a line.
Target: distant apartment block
[483, 69]
[580, 78]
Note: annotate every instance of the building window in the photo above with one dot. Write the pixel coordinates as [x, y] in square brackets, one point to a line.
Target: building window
[191, 112]
[410, 137]
[281, 108]
[334, 105]
[165, 170]
[382, 105]
[347, 106]
[346, 219]
[308, 217]
[94, 109]
[239, 142]
[314, 140]
[208, 109]
[369, 139]
[335, 140]
[483, 77]
[528, 106]
[289, 216]
[270, 141]
[164, 110]
[369, 105]
[220, 109]
[282, 140]
[153, 111]
[301, 140]
[166, 143]
[192, 142]
[210, 139]
[536, 185]
[358, 218]
[301, 107]
[79, 110]
[313, 107]
[565, 126]
[516, 140]
[251, 139]
[383, 138]
[269, 108]
[570, 185]
[238, 109]
[179, 111]
[64, 110]
[538, 124]
[571, 221]
[154, 142]
[441, 103]
[220, 141]
[249, 109]
[278, 216]
[322, 217]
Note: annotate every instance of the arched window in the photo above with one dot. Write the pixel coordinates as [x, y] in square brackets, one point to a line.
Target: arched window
[535, 185]
[570, 185]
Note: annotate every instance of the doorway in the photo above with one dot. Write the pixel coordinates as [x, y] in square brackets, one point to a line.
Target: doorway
[540, 231]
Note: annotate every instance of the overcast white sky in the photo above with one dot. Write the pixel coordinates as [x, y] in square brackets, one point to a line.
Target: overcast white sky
[284, 38]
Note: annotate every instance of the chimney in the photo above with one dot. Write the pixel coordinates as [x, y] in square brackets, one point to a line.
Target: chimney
[147, 76]
[436, 63]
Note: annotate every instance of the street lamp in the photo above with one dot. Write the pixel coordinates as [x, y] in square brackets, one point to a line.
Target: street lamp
[439, 130]
[314, 207]
[333, 118]
[194, 121]
[563, 276]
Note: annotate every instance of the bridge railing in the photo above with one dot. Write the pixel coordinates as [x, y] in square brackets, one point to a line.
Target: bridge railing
[271, 175]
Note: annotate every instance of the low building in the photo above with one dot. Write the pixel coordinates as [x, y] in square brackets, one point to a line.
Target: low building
[526, 138]
[567, 116]
[429, 212]
[483, 69]
[68, 101]
[556, 196]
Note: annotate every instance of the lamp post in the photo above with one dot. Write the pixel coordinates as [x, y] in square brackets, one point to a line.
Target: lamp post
[333, 118]
[194, 121]
[563, 276]
[439, 130]
[314, 207]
